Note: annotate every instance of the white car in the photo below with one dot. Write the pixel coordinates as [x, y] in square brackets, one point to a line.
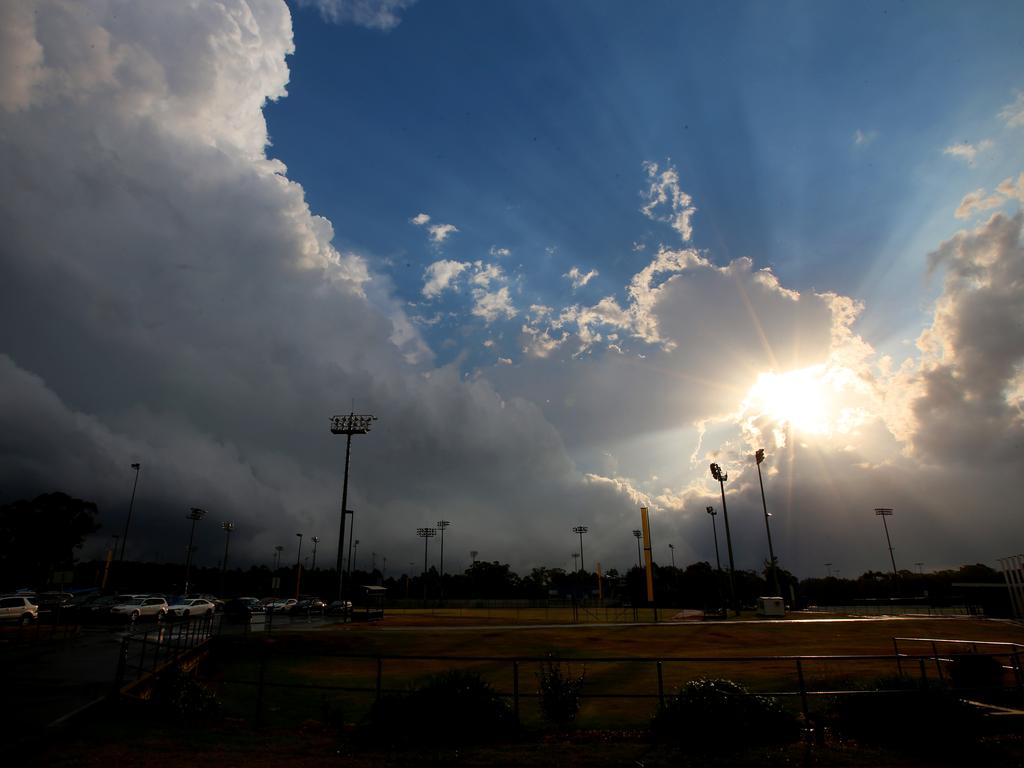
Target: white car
[282, 606]
[18, 608]
[140, 607]
[193, 606]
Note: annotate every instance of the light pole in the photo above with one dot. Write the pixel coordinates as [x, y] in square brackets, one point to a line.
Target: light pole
[425, 534]
[195, 515]
[638, 534]
[349, 425]
[315, 540]
[714, 531]
[298, 566]
[672, 550]
[442, 524]
[575, 559]
[355, 556]
[131, 504]
[228, 527]
[277, 556]
[721, 477]
[581, 529]
[351, 538]
[828, 568]
[884, 512]
[919, 567]
[758, 458]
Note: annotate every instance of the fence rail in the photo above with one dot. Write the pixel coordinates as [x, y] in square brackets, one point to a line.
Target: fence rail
[146, 653]
[804, 673]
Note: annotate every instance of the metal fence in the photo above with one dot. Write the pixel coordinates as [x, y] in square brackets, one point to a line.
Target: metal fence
[796, 678]
[147, 652]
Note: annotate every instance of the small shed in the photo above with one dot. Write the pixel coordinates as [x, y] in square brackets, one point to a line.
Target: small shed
[771, 606]
[370, 603]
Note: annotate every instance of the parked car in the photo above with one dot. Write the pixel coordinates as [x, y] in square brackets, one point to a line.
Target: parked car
[281, 605]
[195, 606]
[53, 601]
[339, 608]
[140, 607]
[308, 605]
[18, 608]
[243, 609]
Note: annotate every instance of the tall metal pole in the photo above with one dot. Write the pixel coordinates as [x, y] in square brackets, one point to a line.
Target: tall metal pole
[131, 505]
[298, 566]
[349, 425]
[721, 477]
[758, 458]
[884, 512]
[672, 550]
[228, 528]
[714, 530]
[581, 529]
[638, 534]
[195, 515]
[315, 540]
[351, 541]
[442, 524]
[425, 534]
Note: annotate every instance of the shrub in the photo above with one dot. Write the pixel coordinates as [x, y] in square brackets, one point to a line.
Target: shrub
[715, 714]
[454, 707]
[975, 670]
[560, 693]
[910, 712]
[184, 699]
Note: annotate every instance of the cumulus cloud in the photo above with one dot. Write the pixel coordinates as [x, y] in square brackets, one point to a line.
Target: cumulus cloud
[979, 201]
[578, 278]
[1013, 113]
[666, 201]
[863, 138]
[441, 275]
[169, 297]
[493, 305]
[437, 233]
[968, 152]
[374, 14]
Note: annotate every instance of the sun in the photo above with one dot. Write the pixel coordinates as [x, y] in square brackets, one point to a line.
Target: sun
[803, 400]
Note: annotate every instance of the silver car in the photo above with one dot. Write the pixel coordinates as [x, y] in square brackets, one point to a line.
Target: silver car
[18, 608]
[140, 607]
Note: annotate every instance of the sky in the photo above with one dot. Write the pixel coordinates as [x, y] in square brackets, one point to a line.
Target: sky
[567, 253]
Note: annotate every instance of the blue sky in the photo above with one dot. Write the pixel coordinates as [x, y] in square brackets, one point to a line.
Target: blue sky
[569, 253]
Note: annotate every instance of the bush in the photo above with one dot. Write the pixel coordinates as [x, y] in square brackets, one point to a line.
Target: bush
[716, 714]
[560, 694]
[184, 699]
[902, 711]
[975, 670]
[451, 708]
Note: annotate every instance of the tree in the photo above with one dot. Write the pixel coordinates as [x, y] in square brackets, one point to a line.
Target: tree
[40, 536]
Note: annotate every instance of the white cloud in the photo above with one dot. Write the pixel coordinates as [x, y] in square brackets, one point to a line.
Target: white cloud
[666, 201]
[863, 138]
[374, 14]
[485, 274]
[499, 253]
[441, 275]
[968, 152]
[493, 305]
[1013, 113]
[440, 232]
[978, 201]
[578, 279]
[420, 219]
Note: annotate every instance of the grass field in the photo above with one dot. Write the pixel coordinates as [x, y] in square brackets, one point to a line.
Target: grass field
[619, 693]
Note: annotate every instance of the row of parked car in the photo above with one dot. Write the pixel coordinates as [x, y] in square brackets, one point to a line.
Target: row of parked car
[248, 608]
[27, 607]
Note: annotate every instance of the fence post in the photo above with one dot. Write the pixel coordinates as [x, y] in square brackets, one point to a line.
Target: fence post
[924, 674]
[938, 664]
[803, 690]
[380, 674]
[661, 687]
[1016, 668]
[515, 689]
[122, 663]
[896, 653]
[259, 685]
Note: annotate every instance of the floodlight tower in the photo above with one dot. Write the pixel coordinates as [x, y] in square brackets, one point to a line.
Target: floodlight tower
[884, 512]
[714, 531]
[638, 534]
[721, 477]
[315, 540]
[131, 505]
[672, 550]
[349, 425]
[426, 534]
[758, 458]
[581, 529]
[228, 527]
[195, 515]
[298, 566]
[441, 525]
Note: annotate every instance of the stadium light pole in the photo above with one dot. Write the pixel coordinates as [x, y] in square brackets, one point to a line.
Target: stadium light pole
[277, 559]
[828, 569]
[426, 534]
[884, 512]
[349, 425]
[714, 531]
[575, 559]
[672, 551]
[131, 505]
[721, 477]
[228, 527]
[355, 557]
[441, 525]
[195, 515]
[758, 458]
[638, 534]
[298, 566]
[581, 529]
[315, 540]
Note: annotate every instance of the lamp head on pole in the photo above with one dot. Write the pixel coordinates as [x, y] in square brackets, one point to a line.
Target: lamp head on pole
[315, 539]
[195, 513]
[637, 532]
[136, 466]
[718, 474]
[759, 455]
[352, 424]
[228, 526]
[710, 511]
[580, 529]
[883, 511]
